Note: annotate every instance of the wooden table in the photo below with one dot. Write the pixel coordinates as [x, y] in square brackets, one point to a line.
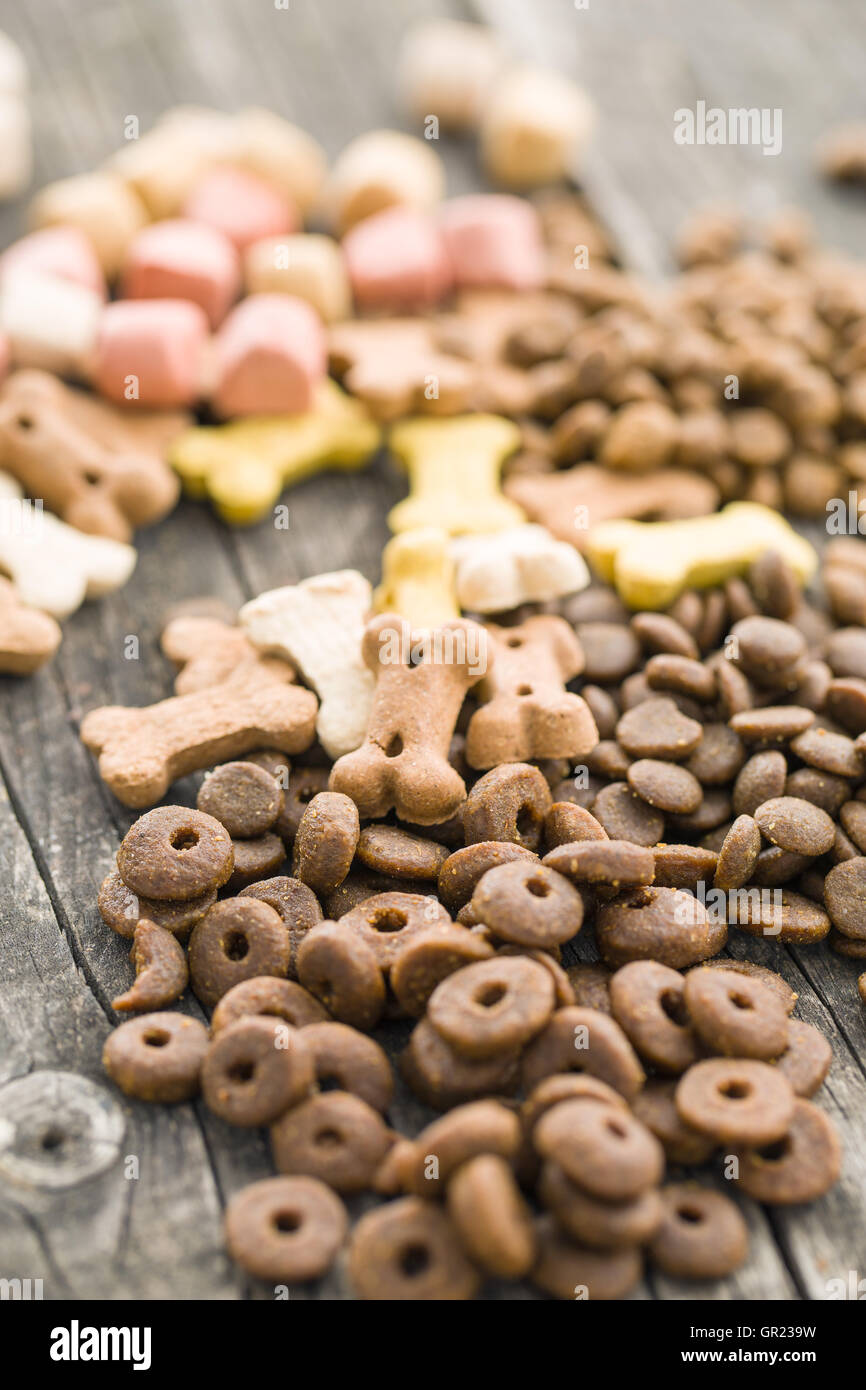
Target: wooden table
[101, 1198]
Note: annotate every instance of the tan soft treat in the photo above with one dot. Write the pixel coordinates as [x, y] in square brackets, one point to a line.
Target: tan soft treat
[309, 266]
[421, 681]
[526, 712]
[208, 651]
[377, 170]
[535, 127]
[106, 209]
[280, 153]
[28, 637]
[142, 751]
[446, 70]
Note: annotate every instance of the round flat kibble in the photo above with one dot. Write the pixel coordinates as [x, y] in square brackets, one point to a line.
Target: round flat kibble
[157, 1056]
[175, 853]
[567, 823]
[387, 921]
[266, 995]
[601, 1225]
[666, 786]
[735, 689]
[761, 779]
[567, 1270]
[614, 863]
[664, 924]
[846, 652]
[430, 957]
[823, 789]
[659, 632]
[605, 1151]
[591, 986]
[846, 945]
[702, 1233]
[603, 708]
[611, 651]
[718, 757]
[626, 816]
[122, 910]
[656, 1108]
[767, 977]
[491, 1218]
[295, 902]
[767, 647]
[800, 1166]
[738, 854]
[461, 871]
[680, 675]
[325, 842]
[388, 850]
[528, 904]
[736, 1101]
[683, 866]
[608, 760]
[409, 1250]
[255, 859]
[657, 729]
[829, 752]
[647, 1000]
[807, 1058]
[853, 817]
[794, 918]
[846, 703]
[715, 809]
[845, 897]
[772, 723]
[335, 1137]
[243, 797]
[735, 1015]
[255, 1069]
[285, 1230]
[583, 1040]
[508, 803]
[774, 867]
[492, 1007]
[304, 783]
[342, 970]
[795, 825]
[346, 1060]
[236, 940]
[774, 584]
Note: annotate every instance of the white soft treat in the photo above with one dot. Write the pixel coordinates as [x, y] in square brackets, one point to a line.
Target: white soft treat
[447, 69]
[523, 564]
[318, 626]
[50, 322]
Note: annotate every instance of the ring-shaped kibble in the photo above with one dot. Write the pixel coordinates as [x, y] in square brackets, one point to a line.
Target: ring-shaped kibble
[271, 997]
[735, 1015]
[285, 1230]
[566, 1086]
[336, 1137]
[346, 1060]
[441, 1077]
[236, 940]
[387, 921]
[338, 967]
[736, 1101]
[528, 904]
[491, 1217]
[430, 957]
[702, 1233]
[663, 924]
[408, 1250]
[647, 1000]
[492, 1007]
[157, 1056]
[806, 1059]
[508, 803]
[479, 1127]
[563, 992]
[655, 1107]
[563, 1266]
[799, 1166]
[175, 853]
[295, 902]
[605, 1151]
[255, 1069]
[462, 869]
[122, 910]
[770, 978]
[585, 1040]
[243, 797]
[587, 1219]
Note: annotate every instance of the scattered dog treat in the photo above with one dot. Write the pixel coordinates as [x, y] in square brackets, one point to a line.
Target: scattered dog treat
[453, 468]
[523, 564]
[418, 578]
[28, 637]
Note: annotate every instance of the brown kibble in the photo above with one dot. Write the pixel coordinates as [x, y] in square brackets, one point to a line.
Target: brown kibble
[491, 1218]
[236, 940]
[243, 797]
[325, 842]
[174, 853]
[285, 1230]
[702, 1234]
[161, 973]
[409, 1250]
[157, 1057]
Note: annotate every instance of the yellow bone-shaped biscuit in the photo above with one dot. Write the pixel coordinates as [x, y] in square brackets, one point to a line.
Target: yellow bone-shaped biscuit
[418, 578]
[454, 467]
[244, 466]
[651, 562]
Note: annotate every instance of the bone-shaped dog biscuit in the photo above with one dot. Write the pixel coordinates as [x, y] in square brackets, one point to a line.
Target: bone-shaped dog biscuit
[526, 711]
[142, 751]
[454, 467]
[318, 626]
[524, 564]
[53, 566]
[244, 466]
[45, 443]
[28, 638]
[652, 562]
[570, 502]
[208, 651]
[422, 677]
[418, 578]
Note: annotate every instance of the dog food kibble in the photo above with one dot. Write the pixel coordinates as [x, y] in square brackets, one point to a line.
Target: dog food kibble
[387, 921]
[236, 940]
[429, 957]
[806, 1059]
[795, 825]
[702, 1234]
[157, 1056]
[388, 850]
[266, 995]
[563, 1265]
[350, 1061]
[604, 1150]
[735, 1015]
[591, 986]
[325, 842]
[528, 904]
[174, 853]
[614, 863]
[461, 871]
[410, 1249]
[508, 803]
[285, 1230]
[122, 910]
[161, 972]
[845, 897]
[254, 859]
[799, 1167]
[587, 1040]
[736, 1102]
[647, 1001]
[336, 1137]
[493, 1007]
[242, 797]
[589, 1220]
[738, 854]
[656, 1107]
[255, 1069]
[666, 786]
[492, 1220]
[663, 924]
[296, 904]
[339, 968]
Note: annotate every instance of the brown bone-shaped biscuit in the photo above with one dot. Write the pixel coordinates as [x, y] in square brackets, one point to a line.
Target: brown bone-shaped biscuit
[94, 472]
[28, 637]
[422, 677]
[527, 712]
[571, 502]
[396, 367]
[208, 651]
[142, 751]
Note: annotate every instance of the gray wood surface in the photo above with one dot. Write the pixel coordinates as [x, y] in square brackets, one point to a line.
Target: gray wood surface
[102, 1198]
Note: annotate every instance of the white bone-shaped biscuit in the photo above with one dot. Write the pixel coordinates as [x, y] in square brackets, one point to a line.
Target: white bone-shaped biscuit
[53, 566]
[523, 564]
[318, 625]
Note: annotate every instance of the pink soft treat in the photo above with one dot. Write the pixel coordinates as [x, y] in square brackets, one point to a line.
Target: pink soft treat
[397, 261]
[269, 357]
[62, 251]
[179, 259]
[494, 240]
[241, 206]
[150, 351]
